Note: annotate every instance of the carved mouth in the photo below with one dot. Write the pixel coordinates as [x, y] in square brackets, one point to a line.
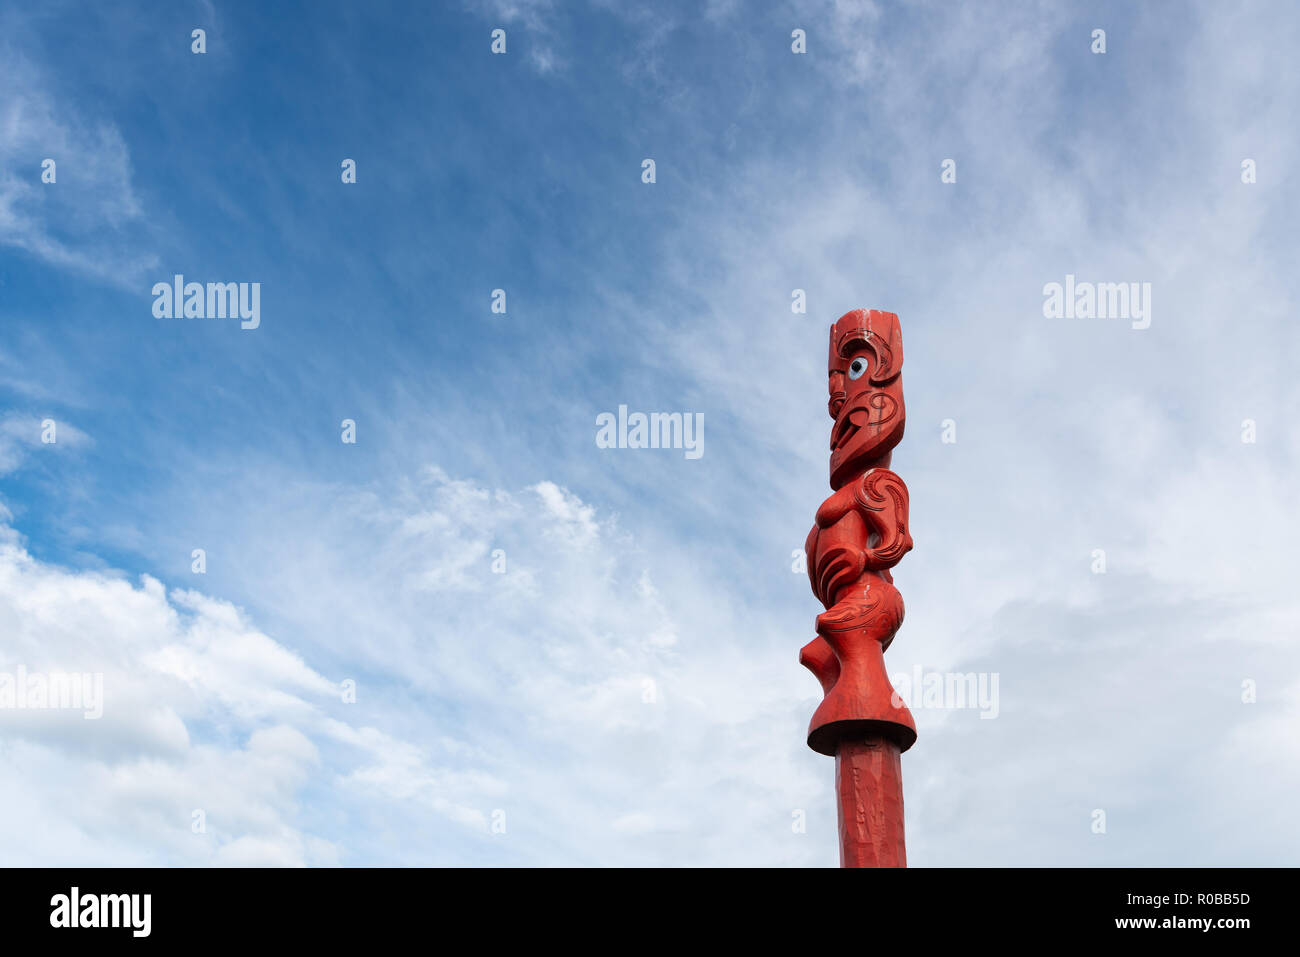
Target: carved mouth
[846, 427]
[877, 411]
[844, 430]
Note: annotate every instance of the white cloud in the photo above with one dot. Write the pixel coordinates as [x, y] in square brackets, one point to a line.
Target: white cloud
[86, 220]
[21, 434]
[200, 711]
[569, 692]
[536, 33]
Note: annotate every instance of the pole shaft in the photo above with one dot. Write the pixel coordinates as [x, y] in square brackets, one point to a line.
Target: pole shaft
[869, 790]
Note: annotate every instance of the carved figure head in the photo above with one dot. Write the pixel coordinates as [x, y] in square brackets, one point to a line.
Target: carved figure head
[866, 392]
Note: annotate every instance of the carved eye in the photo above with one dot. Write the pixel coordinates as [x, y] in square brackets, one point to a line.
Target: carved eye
[857, 368]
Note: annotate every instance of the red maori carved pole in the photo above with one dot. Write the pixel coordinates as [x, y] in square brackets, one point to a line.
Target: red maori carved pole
[861, 533]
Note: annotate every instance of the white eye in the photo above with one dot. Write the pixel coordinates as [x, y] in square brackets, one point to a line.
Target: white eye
[857, 368]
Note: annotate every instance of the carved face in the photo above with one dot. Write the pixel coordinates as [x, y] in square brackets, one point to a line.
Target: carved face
[866, 392]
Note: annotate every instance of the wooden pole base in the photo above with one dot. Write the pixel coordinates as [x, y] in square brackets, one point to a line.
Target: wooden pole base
[869, 791]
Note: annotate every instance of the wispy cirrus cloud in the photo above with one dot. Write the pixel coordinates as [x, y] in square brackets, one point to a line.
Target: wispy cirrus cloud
[21, 433]
[90, 219]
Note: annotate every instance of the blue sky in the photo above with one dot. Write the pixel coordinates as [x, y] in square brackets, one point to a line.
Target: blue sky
[524, 693]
